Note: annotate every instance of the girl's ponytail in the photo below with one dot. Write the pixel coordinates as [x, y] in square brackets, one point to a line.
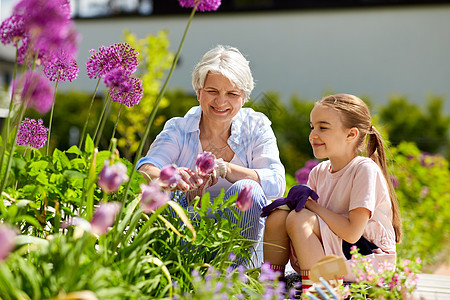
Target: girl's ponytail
[375, 150]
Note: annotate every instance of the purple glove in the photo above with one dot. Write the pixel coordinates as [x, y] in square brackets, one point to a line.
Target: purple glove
[296, 199]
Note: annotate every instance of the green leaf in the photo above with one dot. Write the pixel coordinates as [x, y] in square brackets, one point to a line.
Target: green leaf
[74, 150]
[60, 160]
[27, 239]
[88, 145]
[37, 167]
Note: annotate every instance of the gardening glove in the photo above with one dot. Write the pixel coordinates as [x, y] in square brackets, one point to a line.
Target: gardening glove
[296, 199]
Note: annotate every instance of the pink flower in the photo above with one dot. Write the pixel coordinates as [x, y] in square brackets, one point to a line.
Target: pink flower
[152, 197]
[169, 176]
[112, 176]
[34, 90]
[7, 240]
[244, 200]
[203, 5]
[130, 93]
[301, 176]
[32, 133]
[111, 57]
[12, 29]
[104, 217]
[205, 163]
[61, 67]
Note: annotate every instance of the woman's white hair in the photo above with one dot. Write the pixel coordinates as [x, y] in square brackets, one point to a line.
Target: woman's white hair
[229, 62]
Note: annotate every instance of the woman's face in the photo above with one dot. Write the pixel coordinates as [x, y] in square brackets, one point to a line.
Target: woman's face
[219, 99]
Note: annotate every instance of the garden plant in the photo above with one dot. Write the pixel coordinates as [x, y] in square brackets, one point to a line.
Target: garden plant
[81, 223]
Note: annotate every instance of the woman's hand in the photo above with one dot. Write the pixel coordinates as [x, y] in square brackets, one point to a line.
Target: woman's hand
[200, 190]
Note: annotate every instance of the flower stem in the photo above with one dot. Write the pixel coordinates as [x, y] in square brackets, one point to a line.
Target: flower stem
[89, 114]
[101, 121]
[51, 116]
[158, 100]
[117, 121]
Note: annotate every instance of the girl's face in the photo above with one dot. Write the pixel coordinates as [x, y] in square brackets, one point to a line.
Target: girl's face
[328, 137]
[219, 98]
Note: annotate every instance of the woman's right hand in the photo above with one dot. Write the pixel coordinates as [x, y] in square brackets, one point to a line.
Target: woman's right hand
[190, 180]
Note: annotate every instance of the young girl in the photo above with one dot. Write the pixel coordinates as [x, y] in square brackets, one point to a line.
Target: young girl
[357, 204]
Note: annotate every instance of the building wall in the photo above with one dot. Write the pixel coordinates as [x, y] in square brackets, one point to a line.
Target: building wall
[376, 51]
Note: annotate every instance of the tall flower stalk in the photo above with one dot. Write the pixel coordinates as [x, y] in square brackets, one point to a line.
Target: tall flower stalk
[195, 4]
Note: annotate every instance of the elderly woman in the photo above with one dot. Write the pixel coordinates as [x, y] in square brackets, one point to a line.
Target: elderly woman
[240, 138]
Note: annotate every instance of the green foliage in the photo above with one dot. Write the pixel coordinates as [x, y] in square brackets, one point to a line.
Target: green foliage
[291, 126]
[427, 128]
[423, 192]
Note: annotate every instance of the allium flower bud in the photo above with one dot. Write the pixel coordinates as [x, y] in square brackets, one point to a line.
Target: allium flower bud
[244, 200]
[205, 163]
[7, 241]
[104, 217]
[169, 175]
[152, 197]
[112, 176]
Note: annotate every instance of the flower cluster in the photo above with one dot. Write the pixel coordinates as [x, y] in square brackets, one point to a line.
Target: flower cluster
[385, 281]
[302, 174]
[108, 58]
[235, 283]
[32, 89]
[43, 27]
[115, 64]
[61, 68]
[32, 133]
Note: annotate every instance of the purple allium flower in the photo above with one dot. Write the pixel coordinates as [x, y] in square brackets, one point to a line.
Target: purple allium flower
[32, 133]
[169, 176]
[301, 176]
[130, 97]
[111, 177]
[117, 78]
[12, 29]
[62, 67]
[7, 241]
[104, 217]
[205, 163]
[395, 181]
[108, 58]
[244, 200]
[152, 197]
[34, 90]
[48, 25]
[203, 5]
[310, 164]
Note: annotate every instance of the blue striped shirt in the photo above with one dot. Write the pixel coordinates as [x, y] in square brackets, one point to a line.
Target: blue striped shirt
[252, 140]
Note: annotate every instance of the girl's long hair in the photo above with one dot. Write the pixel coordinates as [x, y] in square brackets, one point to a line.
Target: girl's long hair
[355, 113]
